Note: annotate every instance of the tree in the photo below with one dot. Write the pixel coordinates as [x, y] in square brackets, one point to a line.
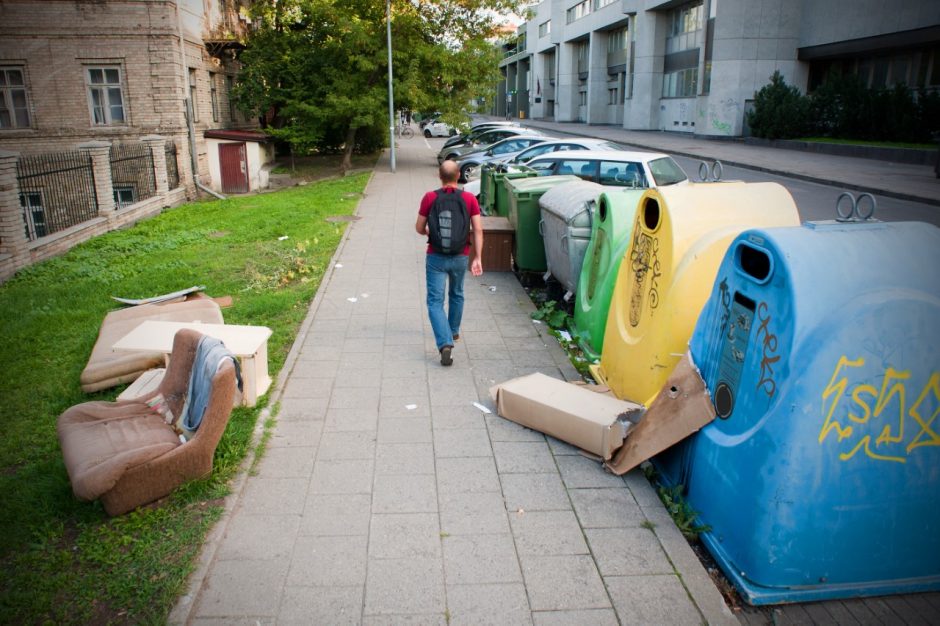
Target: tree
[780, 110]
[317, 69]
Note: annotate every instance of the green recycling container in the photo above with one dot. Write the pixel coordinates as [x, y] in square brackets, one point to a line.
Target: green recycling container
[487, 189]
[525, 215]
[501, 193]
[610, 236]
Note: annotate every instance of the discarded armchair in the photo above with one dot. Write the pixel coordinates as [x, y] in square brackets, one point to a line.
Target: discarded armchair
[126, 454]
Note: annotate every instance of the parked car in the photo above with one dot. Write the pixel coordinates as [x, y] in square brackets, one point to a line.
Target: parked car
[485, 138]
[438, 128]
[427, 119]
[502, 149]
[620, 168]
[476, 131]
[552, 145]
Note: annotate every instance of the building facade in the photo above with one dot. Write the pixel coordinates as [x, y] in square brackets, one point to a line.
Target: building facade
[74, 71]
[695, 66]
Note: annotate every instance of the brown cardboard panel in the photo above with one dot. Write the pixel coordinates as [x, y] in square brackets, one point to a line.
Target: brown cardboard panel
[592, 421]
[680, 408]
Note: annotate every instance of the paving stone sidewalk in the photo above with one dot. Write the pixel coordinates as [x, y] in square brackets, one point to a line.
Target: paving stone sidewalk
[387, 497]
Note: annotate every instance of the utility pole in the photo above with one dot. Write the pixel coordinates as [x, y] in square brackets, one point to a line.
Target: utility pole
[391, 95]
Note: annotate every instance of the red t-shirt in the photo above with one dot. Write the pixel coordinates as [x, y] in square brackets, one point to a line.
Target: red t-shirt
[473, 208]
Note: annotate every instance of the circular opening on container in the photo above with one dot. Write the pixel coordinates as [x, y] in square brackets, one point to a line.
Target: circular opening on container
[724, 400]
[602, 210]
[651, 214]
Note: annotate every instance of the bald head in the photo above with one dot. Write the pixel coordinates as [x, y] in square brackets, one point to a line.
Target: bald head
[448, 172]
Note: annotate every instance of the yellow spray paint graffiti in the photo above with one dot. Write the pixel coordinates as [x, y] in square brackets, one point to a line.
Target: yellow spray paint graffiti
[869, 404]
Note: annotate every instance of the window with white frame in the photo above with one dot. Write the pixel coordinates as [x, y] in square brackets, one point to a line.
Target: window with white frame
[14, 105]
[599, 4]
[214, 96]
[579, 10]
[545, 28]
[681, 61]
[612, 95]
[105, 95]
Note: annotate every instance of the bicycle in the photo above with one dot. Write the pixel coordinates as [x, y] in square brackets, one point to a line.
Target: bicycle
[404, 132]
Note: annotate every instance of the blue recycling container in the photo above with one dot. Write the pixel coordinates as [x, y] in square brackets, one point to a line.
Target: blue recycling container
[820, 476]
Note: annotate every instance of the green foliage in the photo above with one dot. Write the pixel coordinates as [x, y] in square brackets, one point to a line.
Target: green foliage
[63, 560]
[843, 108]
[681, 512]
[317, 69]
[780, 111]
[549, 313]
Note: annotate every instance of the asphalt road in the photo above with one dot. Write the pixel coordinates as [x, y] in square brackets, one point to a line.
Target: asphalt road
[818, 202]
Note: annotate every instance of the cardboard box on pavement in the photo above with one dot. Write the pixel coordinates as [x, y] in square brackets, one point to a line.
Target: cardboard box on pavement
[592, 421]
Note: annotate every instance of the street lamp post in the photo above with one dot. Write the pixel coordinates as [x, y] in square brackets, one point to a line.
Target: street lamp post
[391, 96]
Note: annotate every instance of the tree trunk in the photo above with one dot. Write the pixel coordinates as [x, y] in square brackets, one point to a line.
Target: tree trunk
[348, 150]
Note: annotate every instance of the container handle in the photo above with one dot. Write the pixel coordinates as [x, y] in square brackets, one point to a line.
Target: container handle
[853, 211]
[542, 228]
[564, 243]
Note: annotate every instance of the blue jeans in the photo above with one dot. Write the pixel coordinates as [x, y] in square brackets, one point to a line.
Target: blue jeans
[441, 268]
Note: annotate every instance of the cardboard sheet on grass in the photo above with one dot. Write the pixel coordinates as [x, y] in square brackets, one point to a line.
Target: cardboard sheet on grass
[598, 423]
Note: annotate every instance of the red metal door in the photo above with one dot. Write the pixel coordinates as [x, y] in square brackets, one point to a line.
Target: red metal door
[233, 161]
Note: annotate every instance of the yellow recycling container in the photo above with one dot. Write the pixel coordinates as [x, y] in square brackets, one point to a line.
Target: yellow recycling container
[679, 238]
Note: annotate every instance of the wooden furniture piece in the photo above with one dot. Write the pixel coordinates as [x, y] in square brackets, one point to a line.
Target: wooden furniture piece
[248, 343]
[125, 453]
[497, 244]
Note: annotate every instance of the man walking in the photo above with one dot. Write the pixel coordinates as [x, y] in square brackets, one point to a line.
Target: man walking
[445, 217]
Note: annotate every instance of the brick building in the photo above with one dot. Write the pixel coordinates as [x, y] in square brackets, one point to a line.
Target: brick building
[73, 71]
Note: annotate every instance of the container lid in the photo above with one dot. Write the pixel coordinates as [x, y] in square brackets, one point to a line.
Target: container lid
[539, 183]
[570, 200]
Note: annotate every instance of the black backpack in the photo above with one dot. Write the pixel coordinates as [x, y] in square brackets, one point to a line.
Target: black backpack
[448, 223]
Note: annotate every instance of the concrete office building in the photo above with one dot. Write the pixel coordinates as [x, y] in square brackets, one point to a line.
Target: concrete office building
[695, 66]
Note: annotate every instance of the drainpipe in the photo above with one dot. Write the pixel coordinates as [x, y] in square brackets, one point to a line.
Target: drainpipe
[188, 110]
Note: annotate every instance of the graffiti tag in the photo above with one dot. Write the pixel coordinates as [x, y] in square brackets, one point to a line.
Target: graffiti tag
[914, 425]
[644, 261]
[769, 355]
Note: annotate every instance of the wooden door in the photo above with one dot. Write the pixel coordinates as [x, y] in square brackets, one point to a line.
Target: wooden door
[233, 161]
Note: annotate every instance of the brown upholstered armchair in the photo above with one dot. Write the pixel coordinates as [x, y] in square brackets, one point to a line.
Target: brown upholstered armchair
[125, 454]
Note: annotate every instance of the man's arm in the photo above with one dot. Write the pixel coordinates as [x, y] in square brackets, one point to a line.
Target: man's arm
[421, 226]
[476, 260]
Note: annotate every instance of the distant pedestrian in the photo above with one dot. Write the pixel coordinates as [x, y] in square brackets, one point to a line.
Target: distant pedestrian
[445, 217]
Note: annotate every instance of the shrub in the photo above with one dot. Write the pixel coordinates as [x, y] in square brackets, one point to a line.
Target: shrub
[780, 110]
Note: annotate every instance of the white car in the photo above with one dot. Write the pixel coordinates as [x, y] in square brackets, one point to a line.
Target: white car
[615, 168]
[437, 128]
[551, 145]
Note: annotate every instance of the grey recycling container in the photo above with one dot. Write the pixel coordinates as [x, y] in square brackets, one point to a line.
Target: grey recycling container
[566, 228]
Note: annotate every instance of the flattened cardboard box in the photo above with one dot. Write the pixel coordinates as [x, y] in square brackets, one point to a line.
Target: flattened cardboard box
[591, 421]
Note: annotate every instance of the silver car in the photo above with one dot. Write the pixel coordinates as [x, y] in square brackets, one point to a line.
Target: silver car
[539, 149]
[501, 150]
[482, 140]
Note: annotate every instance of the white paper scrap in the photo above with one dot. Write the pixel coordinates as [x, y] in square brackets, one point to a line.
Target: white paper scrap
[365, 295]
[481, 407]
[536, 322]
[282, 238]
[353, 299]
[564, 334]
[338, 265]
[493, 288]
[411, 407]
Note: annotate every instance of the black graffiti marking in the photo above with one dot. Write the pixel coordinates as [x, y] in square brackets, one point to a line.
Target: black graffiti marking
[769, 356]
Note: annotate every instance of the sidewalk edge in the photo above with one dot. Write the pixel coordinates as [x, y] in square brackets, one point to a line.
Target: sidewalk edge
[182, 611]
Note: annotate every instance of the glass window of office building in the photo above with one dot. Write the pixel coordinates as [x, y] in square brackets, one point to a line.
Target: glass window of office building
[579, 10]
[545, 28]
[680, 64]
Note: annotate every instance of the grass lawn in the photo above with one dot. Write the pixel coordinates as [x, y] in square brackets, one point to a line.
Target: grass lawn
[863, 142]
[64, 561]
